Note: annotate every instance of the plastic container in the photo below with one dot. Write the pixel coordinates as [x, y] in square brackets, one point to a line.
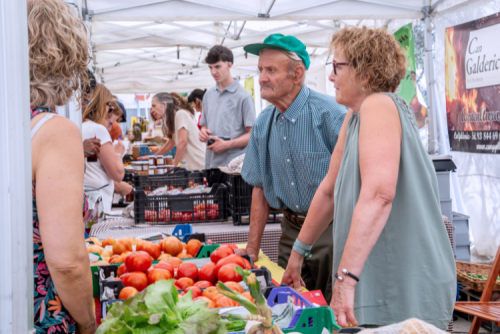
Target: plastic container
[443, 179]
[446, 209]
[280, 295]
[461, 236]
[190, 208]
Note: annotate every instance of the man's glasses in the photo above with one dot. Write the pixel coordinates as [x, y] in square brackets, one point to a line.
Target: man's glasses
[335, 64]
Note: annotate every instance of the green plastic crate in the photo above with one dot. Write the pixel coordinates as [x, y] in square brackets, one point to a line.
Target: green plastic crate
[313, 320]
[204, 252]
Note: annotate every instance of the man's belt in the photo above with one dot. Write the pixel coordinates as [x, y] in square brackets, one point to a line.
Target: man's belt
[297, 218]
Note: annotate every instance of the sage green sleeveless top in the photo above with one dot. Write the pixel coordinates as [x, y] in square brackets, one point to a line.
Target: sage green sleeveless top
[410, 273]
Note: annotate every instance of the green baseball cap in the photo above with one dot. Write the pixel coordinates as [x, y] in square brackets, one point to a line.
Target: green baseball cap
[281, 42]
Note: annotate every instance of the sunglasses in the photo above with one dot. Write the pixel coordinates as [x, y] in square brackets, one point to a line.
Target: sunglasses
[335, 64]
[111, 108]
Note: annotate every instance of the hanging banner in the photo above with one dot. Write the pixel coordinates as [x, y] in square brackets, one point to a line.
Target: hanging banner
[249, 86]
[408, 88]
[472, 73]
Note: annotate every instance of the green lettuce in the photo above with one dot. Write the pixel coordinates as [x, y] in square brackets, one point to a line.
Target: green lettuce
[158, 309]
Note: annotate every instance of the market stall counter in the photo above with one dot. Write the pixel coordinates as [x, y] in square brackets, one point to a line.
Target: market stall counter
[218, 233]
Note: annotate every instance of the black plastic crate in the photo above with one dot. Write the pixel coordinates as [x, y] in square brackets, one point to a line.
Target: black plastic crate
[176, 178]
[240, 200]
[178, 209]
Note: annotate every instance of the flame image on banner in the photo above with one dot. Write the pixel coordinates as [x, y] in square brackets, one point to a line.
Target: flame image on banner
[473, 115]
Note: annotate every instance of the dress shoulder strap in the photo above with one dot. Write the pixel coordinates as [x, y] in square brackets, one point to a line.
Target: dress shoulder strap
[40, 123]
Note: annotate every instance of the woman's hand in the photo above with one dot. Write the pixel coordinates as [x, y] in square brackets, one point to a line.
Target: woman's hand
[92, 145]
[293, 270]
[343, 302]
[119, 148]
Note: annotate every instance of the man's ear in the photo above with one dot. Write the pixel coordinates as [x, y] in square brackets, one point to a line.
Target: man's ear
[299, 73]
[229, 65]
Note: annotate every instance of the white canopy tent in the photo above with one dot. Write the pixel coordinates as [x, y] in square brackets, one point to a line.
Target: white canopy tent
[135, 50]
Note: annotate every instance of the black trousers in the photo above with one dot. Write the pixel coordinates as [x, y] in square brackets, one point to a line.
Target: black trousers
[317, 270]
[215, 176]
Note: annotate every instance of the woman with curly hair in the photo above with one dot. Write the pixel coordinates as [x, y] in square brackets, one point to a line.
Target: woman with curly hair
[392, 257]
[58, 58]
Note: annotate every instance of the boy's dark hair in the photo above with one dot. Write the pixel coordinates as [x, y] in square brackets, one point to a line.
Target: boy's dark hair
[197, 93]
[219, 53]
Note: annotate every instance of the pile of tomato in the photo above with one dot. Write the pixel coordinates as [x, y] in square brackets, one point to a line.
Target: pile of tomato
[138, 272]
[200, 212]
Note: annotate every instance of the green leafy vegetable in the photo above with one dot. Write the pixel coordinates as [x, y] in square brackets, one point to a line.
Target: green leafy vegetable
[158, 310]
[480, 276]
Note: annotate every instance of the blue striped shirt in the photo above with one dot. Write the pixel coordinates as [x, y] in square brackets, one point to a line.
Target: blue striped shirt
[288, 154]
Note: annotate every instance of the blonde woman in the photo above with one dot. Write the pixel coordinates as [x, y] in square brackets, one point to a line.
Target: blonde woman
[58, 54]
[392, 258]
[97, 119]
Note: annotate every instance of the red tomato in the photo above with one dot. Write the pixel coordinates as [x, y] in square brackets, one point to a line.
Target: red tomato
[207, 273]
[165, 266]
[203, 284]
[193, 246]
[188, 269]
[184, 283]
[210, 292]
[220, 253]
[226, 302]
[173, 261]
[138, 261]
[235, 287]
[236, 259]
[121, 270]
[158, 274]
[196, 291]
[137, 279]
[227, 273]
[248, 296]
[210, 304]
[248, 265]
[233, 246]
[152, 249]
[127, 292]
[213, 214]
[172, 246]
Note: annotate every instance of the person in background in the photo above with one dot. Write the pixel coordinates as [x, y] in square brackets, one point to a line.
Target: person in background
[123, 117]
[392, 258]
[288, 154]
[228, 111]
[195, 99]
[121, 188]
[112, 119]
[96, 119]
[92, 145]
[62, 283]
[179, 126]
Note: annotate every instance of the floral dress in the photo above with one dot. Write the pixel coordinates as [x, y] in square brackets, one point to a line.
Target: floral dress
[50, 315]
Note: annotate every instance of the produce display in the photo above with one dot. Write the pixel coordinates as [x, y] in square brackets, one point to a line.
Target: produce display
[138, 271]
[158, 309]
[120, 249]
[201, 212]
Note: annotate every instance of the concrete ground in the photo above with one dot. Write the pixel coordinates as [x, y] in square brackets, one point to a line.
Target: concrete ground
[463, 326]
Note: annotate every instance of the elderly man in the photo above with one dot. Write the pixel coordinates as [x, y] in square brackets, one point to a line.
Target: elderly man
[289, 153]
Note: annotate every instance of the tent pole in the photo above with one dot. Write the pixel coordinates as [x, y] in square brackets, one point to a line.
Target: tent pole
[429, 78]
[16, 238]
